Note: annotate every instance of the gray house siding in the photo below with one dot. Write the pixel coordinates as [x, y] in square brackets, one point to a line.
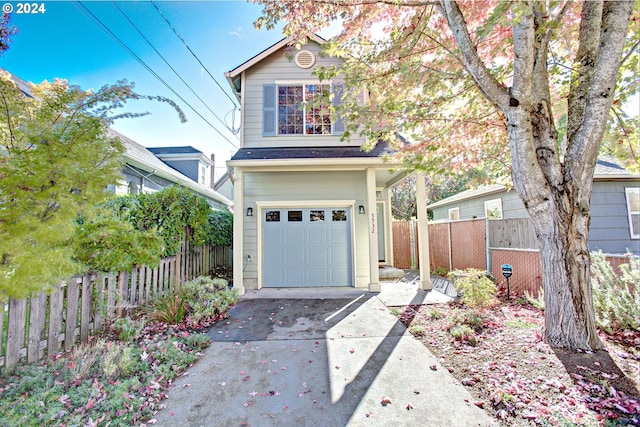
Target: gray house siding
[512, 207]
[609, 229]
[278, 69]
[186, 167]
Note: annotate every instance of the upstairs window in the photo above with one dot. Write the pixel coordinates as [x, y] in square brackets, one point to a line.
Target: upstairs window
[299, 109]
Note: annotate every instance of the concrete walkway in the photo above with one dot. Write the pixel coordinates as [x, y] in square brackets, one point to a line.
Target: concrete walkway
[319, 357]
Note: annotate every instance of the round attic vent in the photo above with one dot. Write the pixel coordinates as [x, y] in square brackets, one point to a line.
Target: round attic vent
[305, 59]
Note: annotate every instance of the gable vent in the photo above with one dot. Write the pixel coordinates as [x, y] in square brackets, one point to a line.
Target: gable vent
[305, 59]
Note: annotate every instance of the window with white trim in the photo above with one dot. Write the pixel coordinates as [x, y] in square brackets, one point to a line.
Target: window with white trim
[633, 211]
[300, 109]
[493, 209]
[454, 214]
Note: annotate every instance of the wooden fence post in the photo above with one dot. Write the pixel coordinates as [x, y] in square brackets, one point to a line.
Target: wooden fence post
[87, 302]
[15, 331]
[37, 318]
[133, 291]
[122, 283]
[72, 313]
[55, 319]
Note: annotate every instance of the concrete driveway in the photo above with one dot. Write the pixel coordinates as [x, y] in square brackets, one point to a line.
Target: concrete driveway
[338, 359]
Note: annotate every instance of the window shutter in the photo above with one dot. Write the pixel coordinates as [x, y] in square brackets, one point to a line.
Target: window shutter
[338, 124]
[269, 110]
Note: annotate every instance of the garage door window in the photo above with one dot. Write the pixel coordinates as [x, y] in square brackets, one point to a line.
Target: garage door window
[339, 215]
[294, 216]
[316, 216]
[272, 216]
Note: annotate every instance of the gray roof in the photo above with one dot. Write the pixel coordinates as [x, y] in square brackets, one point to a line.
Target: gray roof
[483, 190]
[278, 153]
[174, 150]
[141, 157]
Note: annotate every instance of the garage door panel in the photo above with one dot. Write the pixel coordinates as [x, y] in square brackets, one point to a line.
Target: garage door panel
[319, 277]
[295, 258]
[294, 276]
[307, 247]
[318, 235]
[273, 257]
[320, 256]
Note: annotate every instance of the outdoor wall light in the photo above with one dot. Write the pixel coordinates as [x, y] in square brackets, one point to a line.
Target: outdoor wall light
[249, 211]
[361, 209]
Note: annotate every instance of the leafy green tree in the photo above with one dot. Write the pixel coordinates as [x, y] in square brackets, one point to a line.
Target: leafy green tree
[56, 161]
[107, 242]
[473, 83]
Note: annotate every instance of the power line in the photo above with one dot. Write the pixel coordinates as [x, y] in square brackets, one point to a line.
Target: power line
[168, 65]
[194, 55]
[106, 29]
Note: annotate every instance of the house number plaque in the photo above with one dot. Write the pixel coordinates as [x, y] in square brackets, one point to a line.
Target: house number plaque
[373, 223]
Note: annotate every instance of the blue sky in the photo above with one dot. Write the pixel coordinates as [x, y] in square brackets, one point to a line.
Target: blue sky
[63, 42]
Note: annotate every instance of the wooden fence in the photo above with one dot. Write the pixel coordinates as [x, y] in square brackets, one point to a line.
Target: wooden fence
[483, 244]
[49, 322]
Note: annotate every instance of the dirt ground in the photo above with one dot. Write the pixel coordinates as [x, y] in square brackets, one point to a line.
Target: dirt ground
[519, 379]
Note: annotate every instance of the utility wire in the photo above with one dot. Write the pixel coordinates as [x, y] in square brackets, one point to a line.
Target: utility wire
[194, 55]
[106, 29]
[168, 65]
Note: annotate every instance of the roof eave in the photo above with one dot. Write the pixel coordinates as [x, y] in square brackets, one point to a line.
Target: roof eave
[446, 202]
[267, 52]
[346, 161]
[173, 178]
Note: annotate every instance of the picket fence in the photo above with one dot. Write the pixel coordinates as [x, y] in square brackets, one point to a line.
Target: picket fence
[49, 322]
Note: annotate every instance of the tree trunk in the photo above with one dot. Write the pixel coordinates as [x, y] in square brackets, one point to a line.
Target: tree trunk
[559, 211]
[564, 252]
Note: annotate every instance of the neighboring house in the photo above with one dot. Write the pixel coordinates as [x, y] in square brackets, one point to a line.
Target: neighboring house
[615, 208]
[224, 185]
[310, 209]
[144, 172]
[189, 161]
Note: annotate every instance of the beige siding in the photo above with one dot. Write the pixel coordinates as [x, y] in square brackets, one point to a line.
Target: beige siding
[306, 186]
[278, 68]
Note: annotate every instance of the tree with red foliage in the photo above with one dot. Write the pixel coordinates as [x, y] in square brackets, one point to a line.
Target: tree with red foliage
[523, 84]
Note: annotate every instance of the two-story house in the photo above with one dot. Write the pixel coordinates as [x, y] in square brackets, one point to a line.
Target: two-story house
[311, 210]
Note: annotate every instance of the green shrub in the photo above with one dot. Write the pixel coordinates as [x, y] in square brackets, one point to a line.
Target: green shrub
[118, 360]
[417, 330]
[476, 287]
[434, 314]
[127, 329]
[463, 333]
[441, 271]
[616, 297]
[207, 297]
[467, 318]
[105, 242]
[198, 299]
[170, 309]
[220, 228]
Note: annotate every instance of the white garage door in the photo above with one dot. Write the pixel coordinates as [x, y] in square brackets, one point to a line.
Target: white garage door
[306, 247]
